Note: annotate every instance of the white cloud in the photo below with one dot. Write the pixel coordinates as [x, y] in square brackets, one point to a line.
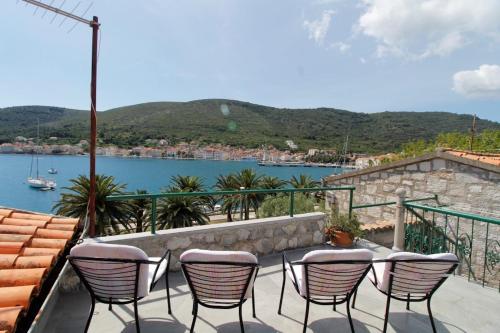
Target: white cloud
[319, 28]
[341, 46]
[482, 82]
[362, 60]
[418, 29]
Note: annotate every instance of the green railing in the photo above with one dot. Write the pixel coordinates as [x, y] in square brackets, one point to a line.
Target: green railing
[475, 239]
[154, 197]
[387, 203]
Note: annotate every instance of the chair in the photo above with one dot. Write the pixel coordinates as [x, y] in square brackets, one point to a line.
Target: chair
[220, 279]
[411, 277]
[118, 274]
[327, 277]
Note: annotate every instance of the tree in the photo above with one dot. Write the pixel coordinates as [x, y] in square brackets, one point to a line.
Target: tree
[140, 212]
[183, 211]
[249, 179]
[229, 201]
[112, 215]
[271, 182]
[280, 205]
[304, 181]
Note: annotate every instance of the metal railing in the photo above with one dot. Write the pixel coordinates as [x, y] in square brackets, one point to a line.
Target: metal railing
[154, 197]
[474, 239]
[387, 203]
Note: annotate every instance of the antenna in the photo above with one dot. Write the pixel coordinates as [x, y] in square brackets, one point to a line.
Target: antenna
[94, 24]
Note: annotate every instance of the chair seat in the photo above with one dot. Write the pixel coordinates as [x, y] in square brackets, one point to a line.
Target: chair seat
[152, 268]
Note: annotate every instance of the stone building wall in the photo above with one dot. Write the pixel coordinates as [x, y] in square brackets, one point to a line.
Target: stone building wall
[462, 187]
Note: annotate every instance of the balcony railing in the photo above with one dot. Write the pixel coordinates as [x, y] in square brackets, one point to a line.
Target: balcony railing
[155, 197]
[475, 239]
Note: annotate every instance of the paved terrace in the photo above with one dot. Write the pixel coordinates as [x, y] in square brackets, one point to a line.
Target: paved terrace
[458, 306]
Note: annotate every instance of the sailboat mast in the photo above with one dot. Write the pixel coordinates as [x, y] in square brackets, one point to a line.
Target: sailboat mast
[37, 145]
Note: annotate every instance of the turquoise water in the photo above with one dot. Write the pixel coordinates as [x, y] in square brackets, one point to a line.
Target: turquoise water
[148, 174]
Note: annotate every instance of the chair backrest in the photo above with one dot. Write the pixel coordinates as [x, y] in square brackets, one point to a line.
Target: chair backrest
[333, 272]
[219, 275]
[414, 273]
[111, 271]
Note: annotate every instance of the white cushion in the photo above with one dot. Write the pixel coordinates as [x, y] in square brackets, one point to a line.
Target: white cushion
[330, 255]
[383, 269]
[208, 256]
[152, 269]
[112, 251]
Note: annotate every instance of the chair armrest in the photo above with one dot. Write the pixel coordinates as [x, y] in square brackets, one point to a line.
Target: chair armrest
[166, 256]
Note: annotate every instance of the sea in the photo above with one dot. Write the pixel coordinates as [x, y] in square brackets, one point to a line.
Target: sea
[149, 174]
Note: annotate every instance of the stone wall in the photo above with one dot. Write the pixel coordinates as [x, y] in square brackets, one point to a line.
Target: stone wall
[260, 237]
[462, 187]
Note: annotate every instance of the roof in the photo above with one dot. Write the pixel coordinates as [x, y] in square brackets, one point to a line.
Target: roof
[481, 157]
[30, 246]
[481, 161]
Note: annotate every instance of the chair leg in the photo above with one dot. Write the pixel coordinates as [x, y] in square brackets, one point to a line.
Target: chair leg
[110, 306]
[430, 315]
[354, 298]
[349, 314]
[253, 303]
[307, 315]
[90, 315]
[282, 291]
[168, 293]
[242, 328]
[195, 314]
[136, 313]
[386, 318]
[408, 302]
[334, 301]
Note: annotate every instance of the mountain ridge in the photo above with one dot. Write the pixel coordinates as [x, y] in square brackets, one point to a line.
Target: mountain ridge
[237, 123]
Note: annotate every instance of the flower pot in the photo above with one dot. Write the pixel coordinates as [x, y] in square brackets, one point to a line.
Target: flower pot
[342, 239]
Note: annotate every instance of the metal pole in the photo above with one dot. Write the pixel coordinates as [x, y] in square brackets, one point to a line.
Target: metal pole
[93, 126]
[399, 225]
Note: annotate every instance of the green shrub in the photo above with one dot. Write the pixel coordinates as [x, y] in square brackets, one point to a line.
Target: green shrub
[280, 205]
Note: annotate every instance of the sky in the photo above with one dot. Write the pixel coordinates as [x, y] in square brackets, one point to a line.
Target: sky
[358, 55]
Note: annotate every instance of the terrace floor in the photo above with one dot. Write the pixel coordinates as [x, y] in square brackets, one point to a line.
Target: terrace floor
[458, 306]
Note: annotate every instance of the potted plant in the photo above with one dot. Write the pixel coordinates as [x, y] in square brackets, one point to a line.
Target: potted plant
[343, 229]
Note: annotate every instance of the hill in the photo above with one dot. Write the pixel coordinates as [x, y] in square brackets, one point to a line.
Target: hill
[236, 123]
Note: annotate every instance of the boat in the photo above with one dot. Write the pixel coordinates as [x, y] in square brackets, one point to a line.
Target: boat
[52, 171]
[39, 182]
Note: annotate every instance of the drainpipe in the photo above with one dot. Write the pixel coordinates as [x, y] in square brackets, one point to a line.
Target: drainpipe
[399, 225]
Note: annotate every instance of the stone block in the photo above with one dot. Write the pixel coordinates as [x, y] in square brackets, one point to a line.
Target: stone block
[264, 246]
[305, 240]
[292, 242]
[407, 182]
[229, 239]
[412, 167]
[243, 234]
[371, 189]
[389, 188]
[281, 244]
[318, 237]
[424, 166]
[175, 243]
[475, 188]
[438, 164]
[289, 229]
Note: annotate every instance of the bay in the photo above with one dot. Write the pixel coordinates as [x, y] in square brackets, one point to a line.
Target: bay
[138, 173]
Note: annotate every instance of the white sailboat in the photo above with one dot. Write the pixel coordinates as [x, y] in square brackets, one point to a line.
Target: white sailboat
[39, 182]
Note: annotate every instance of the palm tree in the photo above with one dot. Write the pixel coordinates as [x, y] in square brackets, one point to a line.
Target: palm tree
[249, 179]
[188, 183]
[109, 214]
[230, 201]
[271, 183]
[140, 211]
[304, 181]
[182, 211]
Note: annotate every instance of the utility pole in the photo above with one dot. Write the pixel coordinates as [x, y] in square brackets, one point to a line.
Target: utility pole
[472, 133]
[94, 24]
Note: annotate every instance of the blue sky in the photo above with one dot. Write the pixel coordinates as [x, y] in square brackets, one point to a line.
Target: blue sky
[363, 56]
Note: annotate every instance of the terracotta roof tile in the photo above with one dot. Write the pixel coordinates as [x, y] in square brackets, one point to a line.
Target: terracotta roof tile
[481, 157]
[378, 226]
[9, 317]
[30, 245]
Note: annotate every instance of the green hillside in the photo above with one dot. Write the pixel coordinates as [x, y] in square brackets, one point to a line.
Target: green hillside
[238, 124]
